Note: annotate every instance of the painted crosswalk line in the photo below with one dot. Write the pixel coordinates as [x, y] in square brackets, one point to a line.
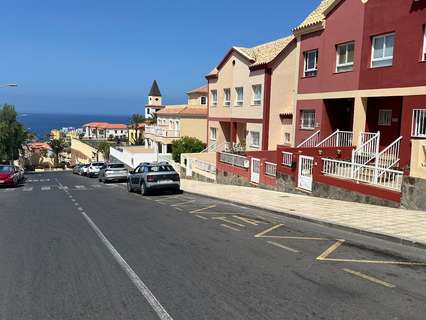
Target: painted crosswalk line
[27, 189]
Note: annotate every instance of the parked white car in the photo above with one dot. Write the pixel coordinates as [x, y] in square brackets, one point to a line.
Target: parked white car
[113, 172]
[94, 168]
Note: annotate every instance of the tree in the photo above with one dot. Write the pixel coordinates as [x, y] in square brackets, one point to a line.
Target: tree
[103, 148]
[12, 134]
[57, 146]
[186, 145]
[135, 121]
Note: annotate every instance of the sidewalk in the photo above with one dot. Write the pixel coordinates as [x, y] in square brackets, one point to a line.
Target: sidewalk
[398, 224]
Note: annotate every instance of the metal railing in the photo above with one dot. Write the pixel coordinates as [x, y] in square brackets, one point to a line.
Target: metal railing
[389, 157]
[287, 158]
[385, 178]
[270, 169]
[234, 159]
[203, 166]
[337, 139]
[367, 151]
[162, 132]
[311, 141]
[365, 136]
[419, 123]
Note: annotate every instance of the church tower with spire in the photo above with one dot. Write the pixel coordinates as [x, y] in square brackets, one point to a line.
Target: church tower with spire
[154, 101]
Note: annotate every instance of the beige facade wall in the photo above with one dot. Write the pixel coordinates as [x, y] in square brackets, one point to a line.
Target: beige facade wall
[254, 127]
[221, 135]
[195, 99]
[234, 75]
[283, 97]
[83, 153]
[418, 158]
[194, 127]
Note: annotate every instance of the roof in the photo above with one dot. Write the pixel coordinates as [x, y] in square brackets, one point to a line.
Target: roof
[140, 126]
[38, 146]
[155, 90]
[105, 125]
[183, 111]
[203, 89]
[258, 55]
[316, 16]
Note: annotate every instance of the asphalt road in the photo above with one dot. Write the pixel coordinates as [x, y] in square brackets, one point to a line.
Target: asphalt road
[73, 248]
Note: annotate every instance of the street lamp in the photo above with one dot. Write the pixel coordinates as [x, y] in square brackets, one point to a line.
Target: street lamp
[9, 85]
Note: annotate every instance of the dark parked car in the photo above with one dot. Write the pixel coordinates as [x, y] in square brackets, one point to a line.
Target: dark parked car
[113, 172]
[10, 175]
[153, 176]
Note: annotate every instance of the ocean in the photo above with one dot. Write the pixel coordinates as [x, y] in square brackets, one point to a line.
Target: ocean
[41, 124]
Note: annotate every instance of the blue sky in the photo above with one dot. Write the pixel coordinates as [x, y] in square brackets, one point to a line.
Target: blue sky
[100, 56]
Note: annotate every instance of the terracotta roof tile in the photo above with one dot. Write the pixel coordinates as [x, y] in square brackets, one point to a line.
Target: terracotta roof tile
[105, 125]
[183, 110]
[203, 89]
[316, 16]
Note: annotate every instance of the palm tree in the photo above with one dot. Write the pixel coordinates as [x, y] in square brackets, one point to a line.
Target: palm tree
[103, 148]
[57, 146]
[135, 121]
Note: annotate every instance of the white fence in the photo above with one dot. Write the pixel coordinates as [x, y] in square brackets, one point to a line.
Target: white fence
[204, 166]
[337, 139]
[287, 158]
[132, 159]
[310, 142]
[162, 132]
[270, 169]
[234, 159]
[368, 150]
[419, 123]
[386, 178]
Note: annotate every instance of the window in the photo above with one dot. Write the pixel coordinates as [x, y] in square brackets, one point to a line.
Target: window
[214, 98]
[203, 100]
[257, 94]
[382, 55]
[254, 139]
[311, 60]
[308, 119]
[424, 46]
[239, 96]
[385, 117]
[345, 57]
[213, 134]
[419, 123]
[227, 97]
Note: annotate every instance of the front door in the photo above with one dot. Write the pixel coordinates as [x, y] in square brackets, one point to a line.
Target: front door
[255, 170]
[305, 173]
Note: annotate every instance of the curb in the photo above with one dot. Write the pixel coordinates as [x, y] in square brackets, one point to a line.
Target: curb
[398, 240]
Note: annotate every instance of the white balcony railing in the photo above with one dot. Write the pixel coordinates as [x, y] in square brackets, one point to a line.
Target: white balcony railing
[287, 159]
[204, 166]
[270, 169]
[234, 159]
[162, 132]
[385, 178]
[311, 141]
[337, 139]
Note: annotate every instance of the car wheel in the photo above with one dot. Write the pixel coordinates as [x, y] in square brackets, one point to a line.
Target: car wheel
[143, 189]
[129, 186]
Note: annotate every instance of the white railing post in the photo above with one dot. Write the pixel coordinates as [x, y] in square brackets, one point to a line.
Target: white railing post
[337, 137]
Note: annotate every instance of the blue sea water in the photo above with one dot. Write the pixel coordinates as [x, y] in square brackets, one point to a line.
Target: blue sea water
[41, 124]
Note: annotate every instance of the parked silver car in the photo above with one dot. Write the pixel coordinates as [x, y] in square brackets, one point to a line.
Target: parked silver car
[94, 169]
[113, 172]
[153, 176]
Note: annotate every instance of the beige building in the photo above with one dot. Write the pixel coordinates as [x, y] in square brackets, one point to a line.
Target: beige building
[176, 121]
[252, 96]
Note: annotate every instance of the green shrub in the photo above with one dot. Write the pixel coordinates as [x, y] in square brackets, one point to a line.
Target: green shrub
[186, 145]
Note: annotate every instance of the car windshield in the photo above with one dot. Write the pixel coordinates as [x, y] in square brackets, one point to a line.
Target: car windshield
[160, 168]
[116, 165]
[5, 168]
[97, 164]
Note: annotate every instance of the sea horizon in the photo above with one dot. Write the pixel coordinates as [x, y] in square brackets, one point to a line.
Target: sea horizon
[42, 123]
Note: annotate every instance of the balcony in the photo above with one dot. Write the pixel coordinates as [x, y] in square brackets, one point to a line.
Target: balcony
[162, 131]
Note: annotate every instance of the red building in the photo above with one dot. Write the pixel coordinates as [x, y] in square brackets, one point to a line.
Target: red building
[360, 116]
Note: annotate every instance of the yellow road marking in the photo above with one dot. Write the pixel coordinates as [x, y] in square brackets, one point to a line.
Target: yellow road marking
[201, 217]
[296, 238]
[282, 246]
[327, 252]
[369, 278]
[182, 203]
[229, 227]
[262, 234]
[202, 209]
[249, 221]
[228, 221]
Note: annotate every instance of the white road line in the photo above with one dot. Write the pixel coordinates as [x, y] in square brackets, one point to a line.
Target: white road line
[282, 246]
[27, 189]
[201, 217]
[81, 187]
[203, 209]
[45, 188]
[139, 284]
[80, 209]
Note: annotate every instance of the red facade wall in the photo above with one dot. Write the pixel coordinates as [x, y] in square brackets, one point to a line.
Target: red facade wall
[344, 24]
[407, 20]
